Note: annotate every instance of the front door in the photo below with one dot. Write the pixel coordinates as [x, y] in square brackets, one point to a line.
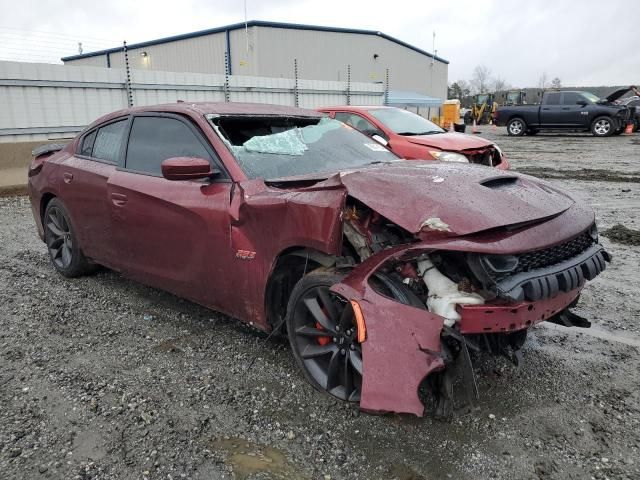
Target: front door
[169, 233]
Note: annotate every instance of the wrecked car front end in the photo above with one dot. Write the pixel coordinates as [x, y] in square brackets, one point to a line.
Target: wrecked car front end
[405, 344]
[388, 273]
[481, 291]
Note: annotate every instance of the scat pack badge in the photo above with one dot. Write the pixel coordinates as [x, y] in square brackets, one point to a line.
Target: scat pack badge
[245, 254]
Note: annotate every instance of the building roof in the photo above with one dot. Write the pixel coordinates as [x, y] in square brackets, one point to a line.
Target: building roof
[255, 23]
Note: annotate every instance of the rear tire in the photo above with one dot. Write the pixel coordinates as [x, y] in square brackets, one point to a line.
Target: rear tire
[602, 127]
[516, 127]
[62, 243]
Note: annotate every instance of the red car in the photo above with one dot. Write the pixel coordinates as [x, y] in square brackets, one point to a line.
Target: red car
[383, 272]
[413, 137]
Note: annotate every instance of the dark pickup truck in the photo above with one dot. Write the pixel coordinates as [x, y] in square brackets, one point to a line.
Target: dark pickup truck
[568, 110]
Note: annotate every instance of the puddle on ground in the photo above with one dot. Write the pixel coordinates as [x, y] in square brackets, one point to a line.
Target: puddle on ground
[402, 472]
[248, 459]
[618, 337]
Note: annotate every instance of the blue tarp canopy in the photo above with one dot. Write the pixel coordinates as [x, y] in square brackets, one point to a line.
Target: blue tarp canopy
[398, 98]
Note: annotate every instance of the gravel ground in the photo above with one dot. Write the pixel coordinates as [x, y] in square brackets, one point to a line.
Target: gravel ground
[104, 378]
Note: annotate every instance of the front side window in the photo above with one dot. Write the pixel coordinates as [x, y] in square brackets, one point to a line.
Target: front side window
[357, 122]
[404, 122]
[108, 141]
[572, 98]
[154, 139]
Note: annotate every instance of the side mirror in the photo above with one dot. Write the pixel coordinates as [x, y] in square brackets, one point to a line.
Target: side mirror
[186, 168]
[379, 139]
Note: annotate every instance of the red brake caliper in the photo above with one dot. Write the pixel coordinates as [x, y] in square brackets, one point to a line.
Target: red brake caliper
[322, 340]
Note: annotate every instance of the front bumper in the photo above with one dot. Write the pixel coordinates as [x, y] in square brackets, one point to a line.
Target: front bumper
[403, 344]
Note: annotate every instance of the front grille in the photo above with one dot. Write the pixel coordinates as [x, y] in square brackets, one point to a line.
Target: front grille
[550, 256]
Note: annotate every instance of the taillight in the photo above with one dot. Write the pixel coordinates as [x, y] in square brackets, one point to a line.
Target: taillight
[36, 165]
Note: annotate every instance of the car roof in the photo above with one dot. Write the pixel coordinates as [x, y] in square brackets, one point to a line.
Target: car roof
[354, 108]
[215, 108]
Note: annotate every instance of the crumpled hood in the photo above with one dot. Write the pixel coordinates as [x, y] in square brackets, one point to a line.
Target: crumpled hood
[452, 141]
[453, 199]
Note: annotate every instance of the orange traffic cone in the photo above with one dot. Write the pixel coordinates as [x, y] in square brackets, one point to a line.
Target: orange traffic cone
[474, 128]
[628, 129]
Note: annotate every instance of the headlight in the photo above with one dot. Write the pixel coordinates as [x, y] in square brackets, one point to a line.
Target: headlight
[449, 157]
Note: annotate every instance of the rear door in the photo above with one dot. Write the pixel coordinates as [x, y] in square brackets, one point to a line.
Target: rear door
[551, 110]
[169, 233]
[84, 186]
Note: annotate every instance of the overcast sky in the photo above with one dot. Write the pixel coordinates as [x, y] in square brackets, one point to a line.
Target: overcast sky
[585, 43]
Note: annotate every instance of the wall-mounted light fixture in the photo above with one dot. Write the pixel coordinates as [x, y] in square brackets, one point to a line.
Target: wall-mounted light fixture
[144, 54]
[375, 56]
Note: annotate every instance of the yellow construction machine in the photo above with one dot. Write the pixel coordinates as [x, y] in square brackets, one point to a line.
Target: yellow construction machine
[482, 109]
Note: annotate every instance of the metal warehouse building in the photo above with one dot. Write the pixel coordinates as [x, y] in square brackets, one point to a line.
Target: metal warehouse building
[268, 49]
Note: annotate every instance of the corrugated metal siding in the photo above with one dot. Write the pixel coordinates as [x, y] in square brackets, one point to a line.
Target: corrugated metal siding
[41, 101]
[270, 52]
[325, 56]
[200, 54]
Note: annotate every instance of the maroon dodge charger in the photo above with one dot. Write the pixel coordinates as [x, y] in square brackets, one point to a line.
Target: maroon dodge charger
[387, 275]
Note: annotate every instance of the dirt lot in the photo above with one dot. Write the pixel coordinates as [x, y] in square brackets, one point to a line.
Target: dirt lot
[104, 378]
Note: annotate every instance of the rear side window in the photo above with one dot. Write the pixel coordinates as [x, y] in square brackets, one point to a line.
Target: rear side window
[552, 99]
[108, 141]
[87, 144]
[154, 139]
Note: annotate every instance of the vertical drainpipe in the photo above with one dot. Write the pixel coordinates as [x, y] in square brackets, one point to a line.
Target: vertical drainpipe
[108, 60]
[228, 37]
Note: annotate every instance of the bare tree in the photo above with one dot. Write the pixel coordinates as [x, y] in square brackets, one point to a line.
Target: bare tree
[500, 84]
[556, 83]
[481, 78]
[465, 88]
[543, 81]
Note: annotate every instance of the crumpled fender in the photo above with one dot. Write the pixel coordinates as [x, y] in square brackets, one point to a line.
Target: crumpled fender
[402, 345]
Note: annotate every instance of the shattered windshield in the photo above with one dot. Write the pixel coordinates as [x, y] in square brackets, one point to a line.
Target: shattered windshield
[279, 147]
[404, 122]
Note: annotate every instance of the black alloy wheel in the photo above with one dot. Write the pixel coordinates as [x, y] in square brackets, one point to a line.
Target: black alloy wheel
[62, 244]
[323, 335]
[59, 240]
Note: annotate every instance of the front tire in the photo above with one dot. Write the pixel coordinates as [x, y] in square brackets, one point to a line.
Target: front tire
[602, 127]
[516, 127]
[62, 243]
[322, 333]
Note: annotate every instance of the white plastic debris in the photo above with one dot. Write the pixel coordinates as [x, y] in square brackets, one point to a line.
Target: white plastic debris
[444, 294]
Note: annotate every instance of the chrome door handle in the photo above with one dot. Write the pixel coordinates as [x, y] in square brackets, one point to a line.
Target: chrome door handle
[67, 177]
